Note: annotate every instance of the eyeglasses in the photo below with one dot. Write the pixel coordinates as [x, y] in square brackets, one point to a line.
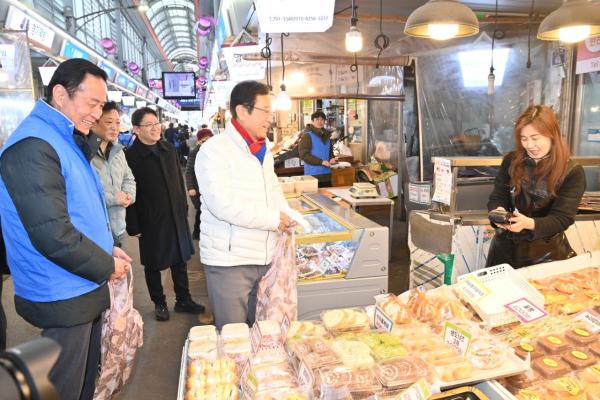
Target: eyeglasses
[150, 125]
[269, 112]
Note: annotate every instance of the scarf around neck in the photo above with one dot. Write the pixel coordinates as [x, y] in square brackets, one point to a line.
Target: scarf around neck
[257, 147]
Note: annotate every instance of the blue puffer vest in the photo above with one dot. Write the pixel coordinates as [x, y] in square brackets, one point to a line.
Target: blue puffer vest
[320, 150]
[36, 278]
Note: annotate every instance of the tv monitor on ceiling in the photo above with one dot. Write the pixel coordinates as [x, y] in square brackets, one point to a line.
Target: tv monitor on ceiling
[179, 85]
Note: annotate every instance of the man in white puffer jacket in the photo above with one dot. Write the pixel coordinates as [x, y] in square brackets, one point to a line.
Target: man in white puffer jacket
[243, 207]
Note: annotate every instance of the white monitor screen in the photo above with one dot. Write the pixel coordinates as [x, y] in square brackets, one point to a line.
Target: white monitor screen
[179, 85]
[140, 104]
[115, 95]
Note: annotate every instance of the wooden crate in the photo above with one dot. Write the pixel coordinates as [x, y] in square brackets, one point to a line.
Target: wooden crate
[343, 176]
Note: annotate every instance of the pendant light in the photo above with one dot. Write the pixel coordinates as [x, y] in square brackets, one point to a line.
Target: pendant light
[354, 39]
[574, 21]
[283, 100]
[442, 20]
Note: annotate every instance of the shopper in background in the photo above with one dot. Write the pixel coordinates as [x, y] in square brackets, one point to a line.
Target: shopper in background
[159, 215]
[110, 164]
[542, 188]
[192, 182]
[55, 224]
[203, 131]
[316, 151]
[171, 134]
[242, 206]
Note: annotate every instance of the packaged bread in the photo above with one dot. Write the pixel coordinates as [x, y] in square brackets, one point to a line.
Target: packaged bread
[581, 337]
[553, 344]
[566, 387]
[595, 348]
[347, 319]
[528, 349]
[203, 332]
[579, 358]
[402, 372]
[396, 310]
[216, 379]
[350, 379]
[306, 329]
[455, 369]
[486, 352]
[523, 381]
[270, 334]
[550, 367]
[532, 394]
[234, 332]
[353, 353]
[422, 308]
[204, 350]
[590, 379]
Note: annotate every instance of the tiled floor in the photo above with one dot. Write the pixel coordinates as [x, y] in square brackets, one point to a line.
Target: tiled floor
[158, 361]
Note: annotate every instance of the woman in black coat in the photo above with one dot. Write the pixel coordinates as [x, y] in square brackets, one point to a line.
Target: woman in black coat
[159, 215]
[540, 188]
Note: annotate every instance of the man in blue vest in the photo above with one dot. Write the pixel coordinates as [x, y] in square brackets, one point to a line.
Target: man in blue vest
[55, 224]
[316, 151]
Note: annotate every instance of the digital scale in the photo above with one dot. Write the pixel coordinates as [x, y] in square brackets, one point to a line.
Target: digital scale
[363, 190]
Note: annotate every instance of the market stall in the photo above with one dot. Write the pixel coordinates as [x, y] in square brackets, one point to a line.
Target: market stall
[457, 222]
[515, 334]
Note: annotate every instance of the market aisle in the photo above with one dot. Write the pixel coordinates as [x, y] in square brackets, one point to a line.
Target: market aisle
[156, 374]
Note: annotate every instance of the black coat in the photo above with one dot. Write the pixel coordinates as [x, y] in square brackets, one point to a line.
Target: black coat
[160, 210]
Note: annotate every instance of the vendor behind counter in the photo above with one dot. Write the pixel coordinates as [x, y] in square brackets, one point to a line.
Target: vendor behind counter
[316, 151]
[542, 188]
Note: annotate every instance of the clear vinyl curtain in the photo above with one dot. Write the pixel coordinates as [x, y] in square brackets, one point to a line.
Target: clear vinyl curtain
[458, 117]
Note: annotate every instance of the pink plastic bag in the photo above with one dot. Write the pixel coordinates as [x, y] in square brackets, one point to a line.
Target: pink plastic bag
[277, 292]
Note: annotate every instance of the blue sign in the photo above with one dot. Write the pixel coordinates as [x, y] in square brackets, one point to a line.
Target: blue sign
[110, 71]
[122, 80]
[131, 85]
[71, 51]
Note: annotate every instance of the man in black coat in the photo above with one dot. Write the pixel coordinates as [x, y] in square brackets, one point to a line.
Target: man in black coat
[159, 215]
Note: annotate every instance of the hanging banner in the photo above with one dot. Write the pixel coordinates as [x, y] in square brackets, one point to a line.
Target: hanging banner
[37, 32]
[240, 69]
[281, 16]
[588, 55]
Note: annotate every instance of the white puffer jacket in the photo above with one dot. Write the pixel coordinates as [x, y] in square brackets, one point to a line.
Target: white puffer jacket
[241, 201]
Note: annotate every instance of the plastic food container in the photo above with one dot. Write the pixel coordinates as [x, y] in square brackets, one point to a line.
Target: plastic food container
[203, 332]
[345, 320]
[287, 185]
[550, 367]
[579, 358]
[305, 183]
[526, 348]
[581, 337]
[553, 344]
[402, 372]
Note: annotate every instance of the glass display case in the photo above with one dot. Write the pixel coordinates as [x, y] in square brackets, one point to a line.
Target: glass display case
[342, 256]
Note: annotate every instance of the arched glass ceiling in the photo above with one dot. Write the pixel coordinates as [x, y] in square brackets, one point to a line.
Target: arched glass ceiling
[173, 21]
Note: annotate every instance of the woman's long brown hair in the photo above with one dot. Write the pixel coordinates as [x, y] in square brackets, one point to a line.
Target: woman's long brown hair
[554, 166]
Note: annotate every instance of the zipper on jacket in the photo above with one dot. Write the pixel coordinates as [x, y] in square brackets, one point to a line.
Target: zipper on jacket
[230, 233]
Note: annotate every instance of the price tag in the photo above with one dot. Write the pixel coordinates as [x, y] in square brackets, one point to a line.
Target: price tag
[457, 337]
[591, 318]
[569, 384]
[529, 395]
[285, 326]
[255, 338]
[382, 321]
[525, 310]
[305, 377]
[419, 390]
[472, 289]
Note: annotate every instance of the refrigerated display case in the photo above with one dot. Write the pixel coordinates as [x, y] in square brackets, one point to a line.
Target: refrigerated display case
[342, 257]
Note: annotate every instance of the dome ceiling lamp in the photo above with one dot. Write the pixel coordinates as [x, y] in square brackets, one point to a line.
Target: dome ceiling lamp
[572, 22]
[442, 20]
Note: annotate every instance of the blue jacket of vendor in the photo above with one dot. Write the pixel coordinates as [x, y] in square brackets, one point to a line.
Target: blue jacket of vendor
[35, 277]
[320, 150]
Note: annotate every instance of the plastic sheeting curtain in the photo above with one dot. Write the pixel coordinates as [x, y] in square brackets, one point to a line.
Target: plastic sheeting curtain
[16, 93]
[458, 118]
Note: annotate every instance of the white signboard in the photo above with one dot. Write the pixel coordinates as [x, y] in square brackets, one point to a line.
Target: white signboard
[240, 69]
[443, 180]
[37, 32]
[280, 16]
[222, 92]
